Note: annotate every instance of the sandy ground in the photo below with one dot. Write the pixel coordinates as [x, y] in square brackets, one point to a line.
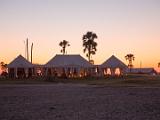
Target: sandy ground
[78, 102]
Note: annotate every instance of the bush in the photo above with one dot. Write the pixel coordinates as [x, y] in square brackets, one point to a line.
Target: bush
[4, 74]
[50, 79]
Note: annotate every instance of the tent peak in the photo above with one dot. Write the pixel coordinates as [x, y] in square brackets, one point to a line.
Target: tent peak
[68, 60]
[21, 62]
[113, 62]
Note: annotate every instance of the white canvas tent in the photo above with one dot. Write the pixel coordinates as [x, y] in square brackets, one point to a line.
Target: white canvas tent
[68, 64]
[113, 63]
[20, 67]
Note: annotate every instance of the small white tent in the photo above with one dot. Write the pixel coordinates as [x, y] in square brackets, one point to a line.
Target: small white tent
[113, 63]
[70, 64]
[20, 67]
[150, 71]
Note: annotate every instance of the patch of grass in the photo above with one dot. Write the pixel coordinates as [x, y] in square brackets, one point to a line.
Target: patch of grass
[22, 81]
[129, 80]
[146, 80]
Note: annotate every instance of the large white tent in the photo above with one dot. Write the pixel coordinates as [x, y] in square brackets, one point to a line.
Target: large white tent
[20, 67]
[113, 63]
[69, 64]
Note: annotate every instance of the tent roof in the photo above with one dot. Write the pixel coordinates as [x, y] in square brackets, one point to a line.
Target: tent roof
[68, 61]
[113, 62]
[20, 62]
[141, 70]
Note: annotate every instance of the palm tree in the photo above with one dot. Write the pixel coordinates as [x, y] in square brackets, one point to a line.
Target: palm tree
[130, 58]
[89, 44]
[64, 44]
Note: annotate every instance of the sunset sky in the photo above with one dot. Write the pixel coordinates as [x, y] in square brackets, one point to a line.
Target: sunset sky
[122, 26]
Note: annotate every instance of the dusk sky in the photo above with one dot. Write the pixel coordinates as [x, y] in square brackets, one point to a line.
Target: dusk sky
[122, 26]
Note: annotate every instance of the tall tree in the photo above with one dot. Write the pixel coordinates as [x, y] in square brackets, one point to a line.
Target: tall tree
[64, 44]
[89, 44]
[130, 58]
[3, 66]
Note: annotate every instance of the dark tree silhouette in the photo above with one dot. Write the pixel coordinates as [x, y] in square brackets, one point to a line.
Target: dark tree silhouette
[3, 66]
[64, 44]
[130, 58]
[89, 44]
[159, 64]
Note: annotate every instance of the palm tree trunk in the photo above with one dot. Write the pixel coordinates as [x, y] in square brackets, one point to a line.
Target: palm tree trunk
[89, 53]
[89, 57]
[63, 50]
[31, 51]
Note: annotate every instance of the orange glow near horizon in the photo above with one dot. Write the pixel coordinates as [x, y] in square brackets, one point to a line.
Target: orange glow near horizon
[122, 27]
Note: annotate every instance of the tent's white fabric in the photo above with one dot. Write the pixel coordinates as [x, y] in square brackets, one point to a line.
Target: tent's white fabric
[68, 61]
[141, 71]
[113, 62]
[69, 65]
[20, 62]
[20, 67]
